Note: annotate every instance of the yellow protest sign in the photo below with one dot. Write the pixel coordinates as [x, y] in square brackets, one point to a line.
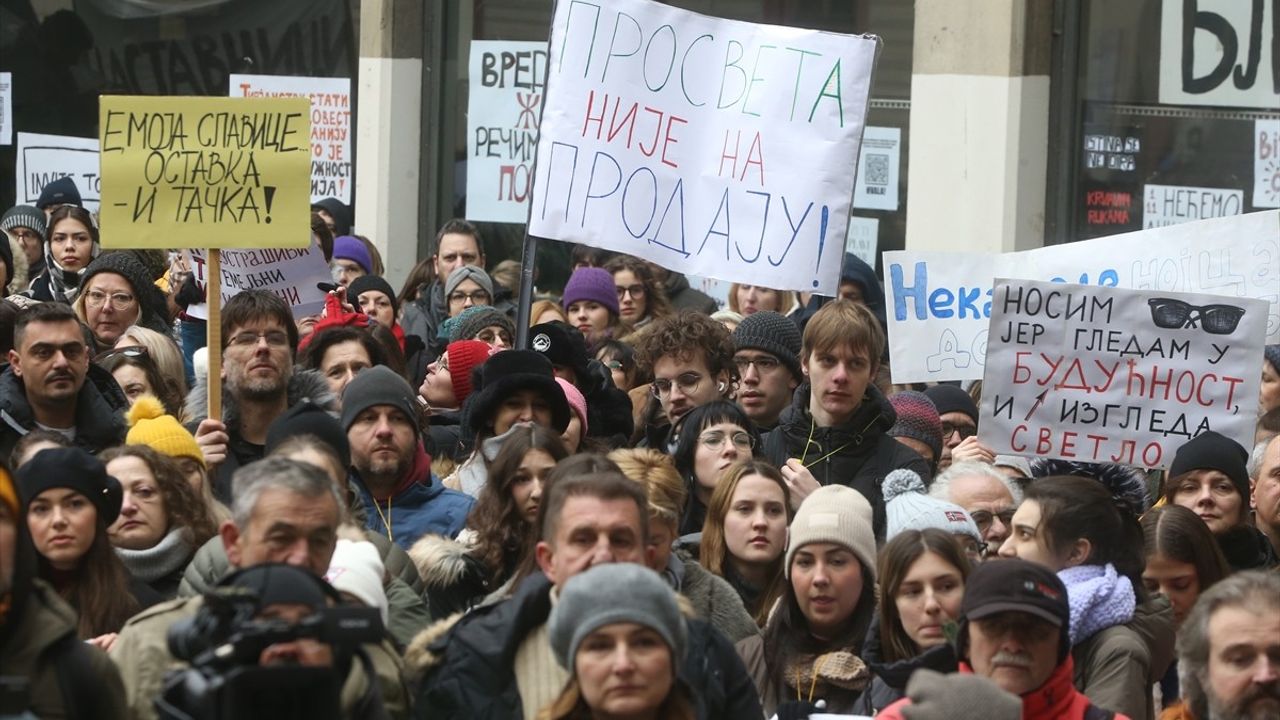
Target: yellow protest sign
[205, 172]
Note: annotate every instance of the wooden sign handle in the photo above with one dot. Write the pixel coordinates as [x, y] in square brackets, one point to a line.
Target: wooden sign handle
[213, 299]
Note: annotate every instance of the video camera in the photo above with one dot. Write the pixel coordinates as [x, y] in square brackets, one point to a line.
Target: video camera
[223, 643]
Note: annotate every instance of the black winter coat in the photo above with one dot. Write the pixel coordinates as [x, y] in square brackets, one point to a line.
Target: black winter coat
[889, 679]
[471, 666]
[100, 407]
[858, 453]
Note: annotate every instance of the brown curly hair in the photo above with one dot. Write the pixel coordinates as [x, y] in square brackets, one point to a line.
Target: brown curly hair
[183, 506]
[685, 334]
[657, 306]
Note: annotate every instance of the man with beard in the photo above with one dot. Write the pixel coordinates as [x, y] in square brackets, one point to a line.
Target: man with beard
[259, 384]
[50, 384]
[390, 468]
[1229, 651]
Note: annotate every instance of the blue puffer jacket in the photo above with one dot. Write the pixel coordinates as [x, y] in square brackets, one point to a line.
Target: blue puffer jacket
[420, 504]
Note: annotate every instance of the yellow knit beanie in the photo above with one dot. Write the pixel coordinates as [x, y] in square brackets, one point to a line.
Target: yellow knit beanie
[150, 426]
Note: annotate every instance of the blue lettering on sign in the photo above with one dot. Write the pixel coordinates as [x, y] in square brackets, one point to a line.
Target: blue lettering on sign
[941, 303]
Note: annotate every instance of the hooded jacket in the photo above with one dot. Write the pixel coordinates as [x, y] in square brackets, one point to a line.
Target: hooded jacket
[38, 642]
[100, 407]
[303, 385]
[858, 453]
[684, 297]
[467, 662]
[418, 505]
[1112, 663]
[1056, 699]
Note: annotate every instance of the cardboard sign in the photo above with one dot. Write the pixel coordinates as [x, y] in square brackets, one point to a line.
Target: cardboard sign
[939, 303]
[45, 158]
[1219, 52]
[878, 168]
[291, 273]
[713, 147]
[503, 104]
[1266, 163]
[211, 172]
[332, 173]
[863, 238]
[1164, 205]
[1104, 374]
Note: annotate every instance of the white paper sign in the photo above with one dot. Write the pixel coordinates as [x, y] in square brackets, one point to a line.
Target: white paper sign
[45, 158]
[291, 273]
[1266, 163]
[863, 238]
[877, 187]
[1103, 374]
[712, 147]
[1218, 52]
[505, 97]
[1164, 205]
[332, 171]
[939, 303]
[6, 108]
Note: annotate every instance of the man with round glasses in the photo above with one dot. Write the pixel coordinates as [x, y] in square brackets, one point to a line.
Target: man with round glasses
[691, 357]
[766, 352]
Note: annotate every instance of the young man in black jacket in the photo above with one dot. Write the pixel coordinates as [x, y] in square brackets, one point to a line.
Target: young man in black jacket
[836, 428]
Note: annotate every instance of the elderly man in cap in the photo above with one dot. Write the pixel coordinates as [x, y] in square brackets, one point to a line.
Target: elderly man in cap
[390, 468]
[26, 224]
[766, 351]
[1014, 623]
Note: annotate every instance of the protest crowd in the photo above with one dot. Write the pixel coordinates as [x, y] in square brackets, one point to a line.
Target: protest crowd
[658, 509]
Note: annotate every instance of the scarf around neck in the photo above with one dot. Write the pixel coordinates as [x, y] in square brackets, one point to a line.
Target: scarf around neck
[1099, 598]
[170, 554]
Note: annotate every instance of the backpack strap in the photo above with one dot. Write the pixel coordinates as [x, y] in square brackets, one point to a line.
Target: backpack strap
[1093, 712]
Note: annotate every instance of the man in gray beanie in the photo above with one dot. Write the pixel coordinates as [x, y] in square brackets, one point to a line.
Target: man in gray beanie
[766, 350]
[390, 469]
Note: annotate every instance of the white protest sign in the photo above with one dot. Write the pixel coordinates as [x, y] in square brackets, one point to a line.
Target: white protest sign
[862, 238]
[332, 171]
[6, 108]
[45, 158]
[291, 273]
[505, 96]
[1218, 52]
[939, 303]
[713, 147]
[1105, 374]
[1266, 163]
[878, 166]
[1164, 205]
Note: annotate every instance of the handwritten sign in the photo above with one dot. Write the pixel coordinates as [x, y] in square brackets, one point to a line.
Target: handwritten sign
[45, 158]
[332, 173]
[291, 273]
[1266, 163]
[719, 148]
[1219, 52]
[863, 238]
[1164, 205]
[505, 97]
[211, 172]
[878, 168]
[1105, 374]
[6, 108]
[939, 303]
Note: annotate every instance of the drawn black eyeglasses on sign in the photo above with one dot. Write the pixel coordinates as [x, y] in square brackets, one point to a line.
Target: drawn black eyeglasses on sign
[1177, 315]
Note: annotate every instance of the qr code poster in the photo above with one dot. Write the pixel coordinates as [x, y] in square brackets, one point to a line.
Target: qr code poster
[878, 168]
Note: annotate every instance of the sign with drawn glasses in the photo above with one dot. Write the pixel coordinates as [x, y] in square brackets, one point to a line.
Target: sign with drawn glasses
[1176, 315]
[1103, 374]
